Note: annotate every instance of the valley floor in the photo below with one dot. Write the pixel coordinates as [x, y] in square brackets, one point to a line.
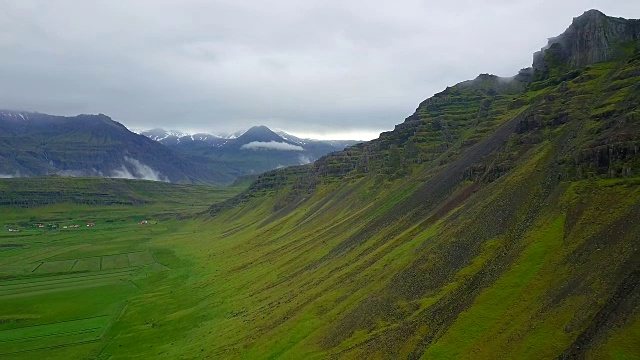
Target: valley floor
[248, 284]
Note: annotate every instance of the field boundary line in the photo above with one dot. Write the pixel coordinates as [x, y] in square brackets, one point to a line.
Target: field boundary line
[36, 268]
[53, 347]
[99, 256]
[158, 262]
[64, 333]
[131, 281]
[121, 312]
[78, 275]
[57, 322]
[61, 282]
[73, 248]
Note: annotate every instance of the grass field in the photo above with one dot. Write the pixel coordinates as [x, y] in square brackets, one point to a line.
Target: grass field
[62, 290]
[58, 294]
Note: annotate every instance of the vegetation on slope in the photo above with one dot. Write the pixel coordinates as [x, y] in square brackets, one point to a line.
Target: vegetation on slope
[472, 230]
[495, 222]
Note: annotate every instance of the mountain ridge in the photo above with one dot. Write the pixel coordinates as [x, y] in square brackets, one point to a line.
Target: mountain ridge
[172, 137]
[483, 91]
[88, 145]
[37, 144]
[251, 152]
[492, 223]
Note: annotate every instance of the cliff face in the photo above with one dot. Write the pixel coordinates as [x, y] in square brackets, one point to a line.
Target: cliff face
[591, 38]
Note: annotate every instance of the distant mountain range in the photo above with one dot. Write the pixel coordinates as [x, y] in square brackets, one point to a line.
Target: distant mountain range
[36, 144]
[175, 137]
[254, 151]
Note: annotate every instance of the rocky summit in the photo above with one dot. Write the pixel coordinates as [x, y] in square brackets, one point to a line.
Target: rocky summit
[592, 37]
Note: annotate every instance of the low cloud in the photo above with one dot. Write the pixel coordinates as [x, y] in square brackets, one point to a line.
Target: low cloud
[271, 145]
[9, 176]
[137, 170]
[304, 159]
[71, 173]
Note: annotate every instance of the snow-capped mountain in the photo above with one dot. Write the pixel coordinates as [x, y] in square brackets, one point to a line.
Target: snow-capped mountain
[253, 151]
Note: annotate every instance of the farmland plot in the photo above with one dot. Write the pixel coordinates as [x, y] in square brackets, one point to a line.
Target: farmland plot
[117, 261]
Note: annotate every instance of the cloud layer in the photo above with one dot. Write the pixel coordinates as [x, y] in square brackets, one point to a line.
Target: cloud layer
[271, 145]
[134, 169]
[303, 66]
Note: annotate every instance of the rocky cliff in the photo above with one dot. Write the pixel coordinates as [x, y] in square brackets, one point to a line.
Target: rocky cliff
[591, 38]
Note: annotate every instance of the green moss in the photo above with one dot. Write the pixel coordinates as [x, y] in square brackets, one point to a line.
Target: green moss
[490, 307]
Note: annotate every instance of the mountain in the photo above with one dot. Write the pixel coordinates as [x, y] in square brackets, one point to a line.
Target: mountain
[499, 220]
[35, 144]
[258, 134]
[254, 151]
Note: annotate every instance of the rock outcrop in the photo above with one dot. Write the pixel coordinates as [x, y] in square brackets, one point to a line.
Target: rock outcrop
[592, 37]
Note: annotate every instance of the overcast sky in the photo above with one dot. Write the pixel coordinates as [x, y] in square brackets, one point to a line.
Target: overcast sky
[319, 68]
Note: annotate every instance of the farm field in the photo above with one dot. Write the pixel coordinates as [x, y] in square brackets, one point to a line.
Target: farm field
[62, 291]
[58, 294]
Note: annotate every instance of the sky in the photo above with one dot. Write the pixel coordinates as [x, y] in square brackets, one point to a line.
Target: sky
[324, 69]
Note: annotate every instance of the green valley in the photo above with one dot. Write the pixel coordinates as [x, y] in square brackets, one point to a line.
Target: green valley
[500, 221]
[65, 284]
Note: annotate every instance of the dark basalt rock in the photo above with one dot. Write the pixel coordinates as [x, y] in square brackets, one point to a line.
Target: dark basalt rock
[592, 37]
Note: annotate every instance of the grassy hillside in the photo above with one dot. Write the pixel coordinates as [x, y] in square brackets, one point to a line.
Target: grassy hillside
[473, 230]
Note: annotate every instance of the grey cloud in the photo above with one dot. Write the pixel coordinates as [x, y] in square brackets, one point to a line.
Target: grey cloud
[302, 66]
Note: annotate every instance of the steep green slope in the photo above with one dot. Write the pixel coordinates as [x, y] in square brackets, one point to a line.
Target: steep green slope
[494, 222]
